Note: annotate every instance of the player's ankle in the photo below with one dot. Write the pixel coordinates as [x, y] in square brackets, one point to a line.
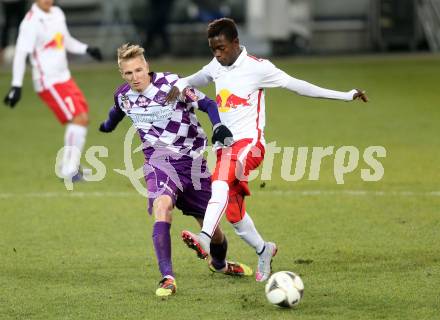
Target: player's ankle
[219, 265]
[205, 234]
[205, 241]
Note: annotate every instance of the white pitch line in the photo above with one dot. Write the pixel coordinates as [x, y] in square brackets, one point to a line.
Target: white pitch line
[351, 193]
[124, 194]
[67, 194]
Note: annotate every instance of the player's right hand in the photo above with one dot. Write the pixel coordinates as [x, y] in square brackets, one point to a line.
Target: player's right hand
[13, 97]
[104, 128]
[360, 95]
[172, 95]
[95, 53]
[222, 134]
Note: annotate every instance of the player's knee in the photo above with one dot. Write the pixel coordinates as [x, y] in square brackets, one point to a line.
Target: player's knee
[220, 185]
[220, 190]
[162, 207]
[233, 216]
[81, 119]
[234, 213]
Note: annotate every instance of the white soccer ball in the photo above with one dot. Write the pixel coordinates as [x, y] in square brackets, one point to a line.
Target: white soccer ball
[284, 289]
[8, 55]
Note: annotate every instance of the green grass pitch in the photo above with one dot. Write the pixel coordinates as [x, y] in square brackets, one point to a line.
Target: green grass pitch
[365, 250]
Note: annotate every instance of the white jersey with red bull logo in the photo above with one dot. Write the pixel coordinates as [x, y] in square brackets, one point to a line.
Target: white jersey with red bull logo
[240, 94]
[45, 37]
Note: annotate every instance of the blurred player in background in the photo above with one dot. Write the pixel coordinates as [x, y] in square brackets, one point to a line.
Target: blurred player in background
[239, 82]
[44, 36]
[159, 15]
[13, 11]
[173, 143]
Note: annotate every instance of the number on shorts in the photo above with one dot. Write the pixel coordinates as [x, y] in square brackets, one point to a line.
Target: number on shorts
[68, 100]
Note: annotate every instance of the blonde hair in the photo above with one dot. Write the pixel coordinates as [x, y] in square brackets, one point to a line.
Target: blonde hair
[129, 51]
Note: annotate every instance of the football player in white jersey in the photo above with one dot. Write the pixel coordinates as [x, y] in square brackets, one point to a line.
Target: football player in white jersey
[44, 36]
[239, 82]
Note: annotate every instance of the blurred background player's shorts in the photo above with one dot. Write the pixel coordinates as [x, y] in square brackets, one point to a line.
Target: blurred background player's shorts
[65, 100]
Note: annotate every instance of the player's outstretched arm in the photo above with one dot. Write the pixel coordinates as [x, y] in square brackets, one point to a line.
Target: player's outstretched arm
[307, 89]
[77, 47]
[18, 70]
[199, 79]
[115, 116]
[271, 77]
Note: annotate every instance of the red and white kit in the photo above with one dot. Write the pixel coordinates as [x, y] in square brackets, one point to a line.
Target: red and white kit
[45, 38]
[240, 99]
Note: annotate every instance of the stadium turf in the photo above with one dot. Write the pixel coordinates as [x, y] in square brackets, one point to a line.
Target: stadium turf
[365, 250]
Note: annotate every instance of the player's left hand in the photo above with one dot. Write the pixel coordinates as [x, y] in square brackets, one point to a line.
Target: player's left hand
[222, 134]
[95, 53]
[12, 97]
[104, 128]
[361, 95]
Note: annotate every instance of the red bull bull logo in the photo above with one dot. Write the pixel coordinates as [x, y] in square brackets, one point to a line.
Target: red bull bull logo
[226, 100]
[57, 42]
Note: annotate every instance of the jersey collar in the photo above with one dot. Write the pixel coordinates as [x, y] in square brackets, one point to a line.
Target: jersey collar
[40, 13]
[239, 60]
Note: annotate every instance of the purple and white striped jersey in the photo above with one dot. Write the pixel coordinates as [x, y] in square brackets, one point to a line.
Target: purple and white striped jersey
[165, 127]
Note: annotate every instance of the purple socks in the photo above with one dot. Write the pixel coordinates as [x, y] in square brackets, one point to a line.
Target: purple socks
[162, 246]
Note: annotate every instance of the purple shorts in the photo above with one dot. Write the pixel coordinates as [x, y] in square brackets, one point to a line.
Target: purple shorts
[186, 180]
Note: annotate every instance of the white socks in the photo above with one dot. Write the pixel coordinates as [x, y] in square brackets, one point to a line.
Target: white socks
[74, 140]
[245, 228]
[214, 211]
[216, 206]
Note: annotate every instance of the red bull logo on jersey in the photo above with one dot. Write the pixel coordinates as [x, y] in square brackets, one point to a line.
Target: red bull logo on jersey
[226, 100]
[56, 43]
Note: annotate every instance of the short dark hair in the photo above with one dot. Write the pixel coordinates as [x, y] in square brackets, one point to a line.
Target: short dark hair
[224, 26]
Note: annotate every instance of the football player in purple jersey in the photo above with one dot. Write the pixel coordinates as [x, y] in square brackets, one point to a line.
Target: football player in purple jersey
[173, 141]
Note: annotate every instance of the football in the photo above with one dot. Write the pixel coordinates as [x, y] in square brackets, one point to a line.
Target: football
[284, 289]
[8, 55]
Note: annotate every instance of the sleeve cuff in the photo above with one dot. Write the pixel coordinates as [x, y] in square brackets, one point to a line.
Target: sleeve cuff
[350, 94]
[181, 84]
